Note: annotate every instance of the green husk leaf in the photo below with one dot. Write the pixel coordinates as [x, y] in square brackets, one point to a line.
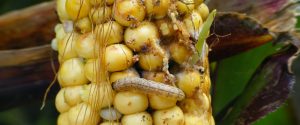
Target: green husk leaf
[204, 33]
[268, 88]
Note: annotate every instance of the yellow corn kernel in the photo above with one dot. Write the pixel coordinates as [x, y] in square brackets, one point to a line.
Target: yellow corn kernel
[179, 52]
[71, 73]
[61, 10]
[91, 68]
[130, 102]
[73, 95]
[100, 14]
[198, 2]
[110, 123]
[159, 102]
[83, 114]
[193, 22]
[203, 11]
[118, 57]
[123, 74]
[145, 35]
[128, 12]
[84, 25]
[110, 32]
[171, 116]
[77, 9]
[63, 119]
[96, 2]
[185, 6]
[157, 8]
[97, 96]
[66, 47]
[60, 102]
[87, 40]
[142, 118]
[59, 32]
[150, 61]
[188, 81]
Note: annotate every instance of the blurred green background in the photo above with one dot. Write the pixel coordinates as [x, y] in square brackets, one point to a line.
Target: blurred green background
[233, 71]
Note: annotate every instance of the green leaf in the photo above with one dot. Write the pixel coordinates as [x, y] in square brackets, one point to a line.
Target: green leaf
[234, 73]
[204, 33]
[283, 116]
[268, 88]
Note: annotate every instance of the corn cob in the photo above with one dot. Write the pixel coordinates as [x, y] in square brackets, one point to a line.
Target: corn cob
[128, 62]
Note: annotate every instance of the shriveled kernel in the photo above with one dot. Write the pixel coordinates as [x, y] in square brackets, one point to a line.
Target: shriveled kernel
[69, 26]
[156, 76]
[66, 47]
[150, 61]
[97, 96]
[100, 14]
[142, 118]
[60, 102]
[73, 95]
[203, 11]
[110, 32]
[128, 102]
[71, 73]
[83, 114]
[84, 25]
[110, 114]
[160, 102]
[63, 119]
[87, 41]
[78, 9]
[185, 6]
[145, 35]
[179, 52]
[171, 116]
[118, 57]
[165, 27]
[157, 8]
[128, 12]
[123, 74]
[188, 81]
[193, 22]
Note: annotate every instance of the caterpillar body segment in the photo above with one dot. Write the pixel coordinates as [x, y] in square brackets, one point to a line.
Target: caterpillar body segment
[128, 62]
[148, 87]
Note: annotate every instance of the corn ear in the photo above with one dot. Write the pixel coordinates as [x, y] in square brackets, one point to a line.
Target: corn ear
[104, 46]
